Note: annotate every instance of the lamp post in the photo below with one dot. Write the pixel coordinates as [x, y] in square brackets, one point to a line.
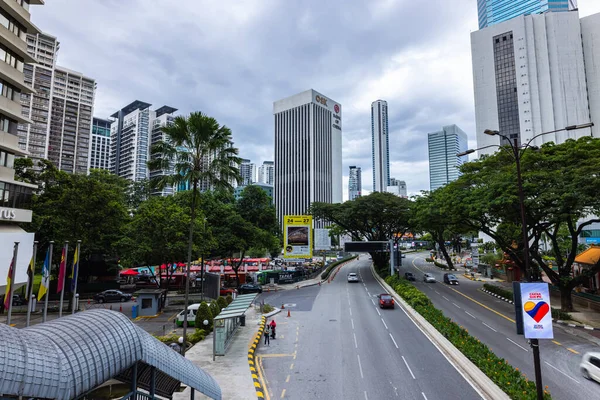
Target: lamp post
[202, 261]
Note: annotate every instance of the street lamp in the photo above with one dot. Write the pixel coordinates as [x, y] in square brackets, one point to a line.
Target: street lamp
[202, 261]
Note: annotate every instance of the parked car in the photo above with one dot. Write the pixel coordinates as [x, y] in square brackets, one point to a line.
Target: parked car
[249, 288]
[227, 291]
[18, 300]
[590, 366]
[352, 277]
[192, 310]
[385, 300]
[112, 296]
[450, 279]
[409, 276]
[428, 278]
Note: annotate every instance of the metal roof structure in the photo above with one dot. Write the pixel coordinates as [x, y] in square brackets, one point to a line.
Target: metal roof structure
[67, 357]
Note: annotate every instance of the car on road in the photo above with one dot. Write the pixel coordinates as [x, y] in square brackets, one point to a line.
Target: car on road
[112, 296]
[192, 310]
[249, 288]
[352, 277]
[409, 276]
[450, 279]
[428, 278]
[385, 300]
[590, 366]
[227, 291]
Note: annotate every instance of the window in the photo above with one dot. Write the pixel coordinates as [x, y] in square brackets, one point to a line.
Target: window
[595, 361]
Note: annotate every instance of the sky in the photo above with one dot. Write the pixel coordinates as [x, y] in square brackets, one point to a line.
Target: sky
[233, 59]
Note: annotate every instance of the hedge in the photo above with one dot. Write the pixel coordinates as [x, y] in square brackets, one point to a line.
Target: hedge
[193, 338]
[326, 273]
[508, 294]
[509, 379]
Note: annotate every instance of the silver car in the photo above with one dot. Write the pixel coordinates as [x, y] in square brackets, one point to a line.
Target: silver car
[428, 278]
[352, 277]
[590, 366]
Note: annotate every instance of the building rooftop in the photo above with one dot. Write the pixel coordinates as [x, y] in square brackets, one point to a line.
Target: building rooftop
[135, 105]
[165, 110]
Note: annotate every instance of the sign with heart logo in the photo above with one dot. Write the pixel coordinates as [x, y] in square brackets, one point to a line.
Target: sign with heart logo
[537, 318]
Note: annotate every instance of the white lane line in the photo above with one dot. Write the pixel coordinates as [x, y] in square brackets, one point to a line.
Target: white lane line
[471, 315]
[355, 342]
[384, 324]
[369, 294]
[373, 301]
[447, 299]
[351, 320]
[349, 309]
[377, 311]
[489, 327]
[437, 292]
[360, 366]
[425, 397]
[552, 366]
[409, 370]
[395, 344]
[456, 305]
[366, 397]
[517, 344]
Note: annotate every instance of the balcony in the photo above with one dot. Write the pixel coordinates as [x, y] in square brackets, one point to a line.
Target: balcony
[22, 15]
[15, 44]
[12, 109]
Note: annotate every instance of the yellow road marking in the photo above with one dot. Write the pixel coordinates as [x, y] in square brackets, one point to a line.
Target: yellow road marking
[557, 343]
[173, 316]
[572, 351]
[287, 380]
[262, 378]
[484, 306]
[283, 393]
[292, 366]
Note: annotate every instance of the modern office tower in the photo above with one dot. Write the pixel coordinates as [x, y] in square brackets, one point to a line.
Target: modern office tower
[160, 118]
[71, 113]
[266, 173]
[15, 196]
[100, 144]
[33, 138]
[354, 182]
[492, 12]
[380, 145]
[443, 162]
[529, 77]
[397, 187]
[248, 172]
[308, 153]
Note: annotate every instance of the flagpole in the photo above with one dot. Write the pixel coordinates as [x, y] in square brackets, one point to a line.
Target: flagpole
[62, 284]
[12, 282]
[75, 276]
[30, 286]
[49, 274]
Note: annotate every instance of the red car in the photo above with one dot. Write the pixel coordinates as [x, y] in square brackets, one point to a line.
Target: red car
[386, 301]
[225, 291]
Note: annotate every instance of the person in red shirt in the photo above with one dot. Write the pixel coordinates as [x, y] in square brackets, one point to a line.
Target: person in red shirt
[273, 325]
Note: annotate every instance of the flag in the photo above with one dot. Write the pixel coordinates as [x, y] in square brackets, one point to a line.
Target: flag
[45, 283]
[74, 271]
[30, 272]
[8, 285]
[62, 269]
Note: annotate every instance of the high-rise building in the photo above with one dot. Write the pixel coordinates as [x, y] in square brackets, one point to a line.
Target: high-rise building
[71, 113]
[100, 144]
[492, 12]
[380, 145]
[530, 75]
[354, 182]
[308, 153]
[160, 118]
[266, 173]
[15, 196]
[443, 160]
[248, 172]
[397, 187]
[33, 138]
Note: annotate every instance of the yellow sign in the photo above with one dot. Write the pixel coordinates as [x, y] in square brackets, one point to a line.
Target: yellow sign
[297, 236]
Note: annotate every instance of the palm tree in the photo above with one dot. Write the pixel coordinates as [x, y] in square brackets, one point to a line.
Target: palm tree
[195, 150]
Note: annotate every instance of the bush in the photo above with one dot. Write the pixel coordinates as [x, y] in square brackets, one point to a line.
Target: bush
[197, 336]
[557, 313]
[267, 308]
[229, 299]
[429, 259]
[440, 265]
[507, 294]
[202, 314]
[222, 302]
[509, 379]
[326, 273]
[214, 308]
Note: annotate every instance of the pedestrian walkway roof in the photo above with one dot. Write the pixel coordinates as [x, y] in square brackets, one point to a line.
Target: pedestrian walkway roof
[67, 357]
[237, 307]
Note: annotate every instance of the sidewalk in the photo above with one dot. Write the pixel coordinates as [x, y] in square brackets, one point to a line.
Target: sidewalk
[480, 278]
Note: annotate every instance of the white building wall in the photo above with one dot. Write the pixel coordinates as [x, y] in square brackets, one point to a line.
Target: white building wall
[590, 31]
[380, 145]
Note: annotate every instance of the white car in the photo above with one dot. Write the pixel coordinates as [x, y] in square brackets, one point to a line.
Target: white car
[352, 277]
[428, 278]
[590, 366]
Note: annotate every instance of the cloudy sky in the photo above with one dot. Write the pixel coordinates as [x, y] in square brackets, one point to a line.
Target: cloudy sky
[232, 59]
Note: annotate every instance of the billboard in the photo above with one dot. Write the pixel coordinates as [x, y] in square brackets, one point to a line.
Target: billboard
[297, 236]
[322, 239]
[537, 315]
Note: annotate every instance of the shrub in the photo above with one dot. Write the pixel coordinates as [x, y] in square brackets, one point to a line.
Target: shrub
[197, 336]
[172, 338]
[202, 314]
[507, 294]
[222, 302]
[267, 308]
[215, 309]
[229, 299]
[440, 265]
[557, 313]
[326, 273]
[429, 259]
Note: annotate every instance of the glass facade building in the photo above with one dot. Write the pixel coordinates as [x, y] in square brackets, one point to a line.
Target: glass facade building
[354, 182]
[443, 162]
[380, 145]
[492, 12]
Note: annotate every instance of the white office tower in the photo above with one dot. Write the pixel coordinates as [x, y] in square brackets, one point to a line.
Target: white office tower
[308, 153]
[160, 118]
[354, 182]
[529, 77]
[443, 160]
[397, 187]
[266, 173]
[100, 144]
[380, 145]
[248, 172]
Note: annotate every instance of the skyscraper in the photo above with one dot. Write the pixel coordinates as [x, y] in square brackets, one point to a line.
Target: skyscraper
[354, 182]
[159, 118]
[308, 153]
[266, 172]
[380, 145]
[100, 144]
[443, 162]
[248, 172]
[397, 187]
[492, 12]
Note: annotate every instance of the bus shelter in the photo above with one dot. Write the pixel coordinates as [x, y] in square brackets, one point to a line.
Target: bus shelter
[228, 321]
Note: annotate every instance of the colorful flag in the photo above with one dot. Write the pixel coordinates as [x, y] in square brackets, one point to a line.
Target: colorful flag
[45, 283]
[30, 272]
[8, 285]
[74, 271]
[62, 270]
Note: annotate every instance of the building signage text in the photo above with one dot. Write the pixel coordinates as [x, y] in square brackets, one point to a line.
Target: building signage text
[7, 213]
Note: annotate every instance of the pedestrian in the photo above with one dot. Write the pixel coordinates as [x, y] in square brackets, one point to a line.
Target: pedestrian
[273, 326]
[267, 333]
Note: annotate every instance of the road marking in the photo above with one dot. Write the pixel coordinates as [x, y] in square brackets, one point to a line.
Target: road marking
[276, 355]
[489, 327]
[171, 318]
[261, 377]
[292, 366]
[447, 299]
[484, 306]
[471, 315]
[373, 301]
[552, 366]
[425, 397]
[350, 311]
[351, 320]
[360, 367]
[287, 380]
[437, 292]
[376, 309]
[366, 397]
[369, 294]
[456, 305]
[395, 344]
[409, 370]
[283, 393]
[572, 351]
[557, 343]
[355, 342]
[384, 324]
[517, 344]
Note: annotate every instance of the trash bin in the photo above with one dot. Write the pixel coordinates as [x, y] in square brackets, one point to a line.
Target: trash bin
[242, 320]
[134, 312]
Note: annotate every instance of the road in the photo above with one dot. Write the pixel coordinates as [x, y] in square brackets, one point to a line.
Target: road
[337, 343]
[492, 321]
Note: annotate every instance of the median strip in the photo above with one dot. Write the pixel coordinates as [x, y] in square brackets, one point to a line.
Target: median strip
[252, 360]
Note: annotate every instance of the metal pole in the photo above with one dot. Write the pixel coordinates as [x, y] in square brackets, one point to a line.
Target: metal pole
[12, 282]
[30, 286]
[75, 276]
[189, 267]
[522, 207]
[214, 340]
[62, 292]
[391, 258]
[202, 259]
[48, 290]
[535, 345]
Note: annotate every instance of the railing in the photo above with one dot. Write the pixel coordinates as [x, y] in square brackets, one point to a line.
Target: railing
[137, 396]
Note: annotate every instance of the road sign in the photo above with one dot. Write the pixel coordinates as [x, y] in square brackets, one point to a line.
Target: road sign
[297, 236]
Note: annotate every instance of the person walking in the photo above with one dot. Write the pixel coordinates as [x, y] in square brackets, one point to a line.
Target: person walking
[267, 333]
[273, 326]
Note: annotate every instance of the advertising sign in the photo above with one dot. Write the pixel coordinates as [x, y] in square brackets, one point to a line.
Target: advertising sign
[297, 236]
[322, 239]
[537, 315]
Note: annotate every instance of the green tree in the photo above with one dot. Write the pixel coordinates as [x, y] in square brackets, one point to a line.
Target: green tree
[24, 171]
[229, 299]
[137, 193]
[222, 302]
[215, 309]
[203, 314]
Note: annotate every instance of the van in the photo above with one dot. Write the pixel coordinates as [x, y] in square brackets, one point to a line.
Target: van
[192, 309]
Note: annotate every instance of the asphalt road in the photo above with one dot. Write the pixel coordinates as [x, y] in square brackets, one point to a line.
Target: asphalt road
[492, 321]
[337, 343]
